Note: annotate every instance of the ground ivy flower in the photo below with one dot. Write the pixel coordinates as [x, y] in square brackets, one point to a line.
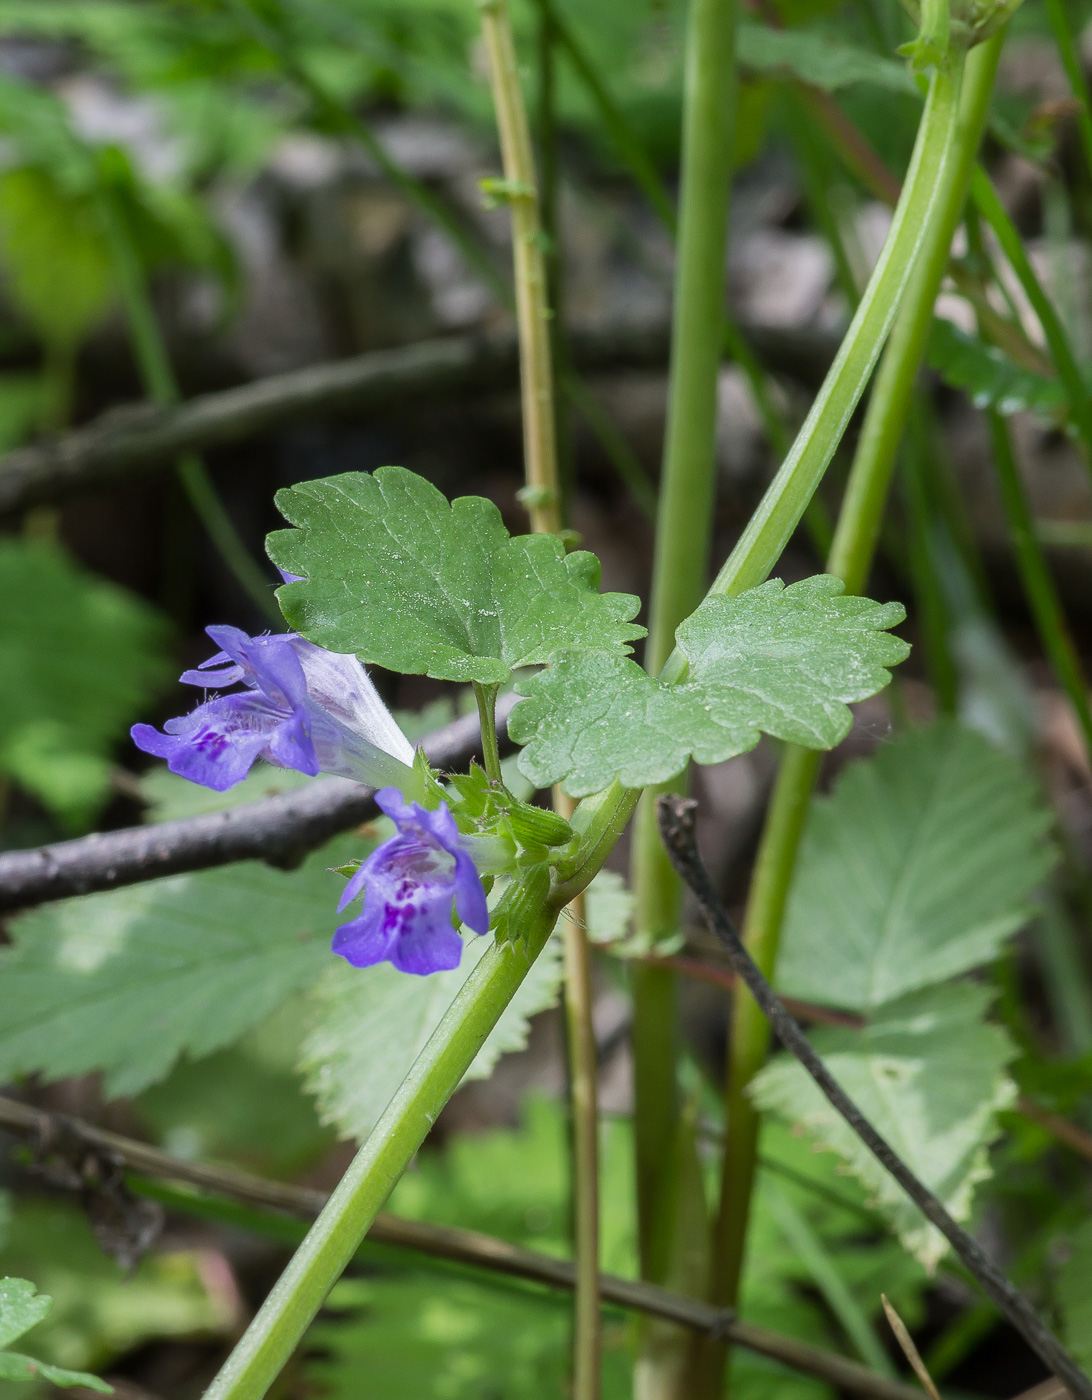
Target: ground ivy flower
[410, 884]
[302, 707]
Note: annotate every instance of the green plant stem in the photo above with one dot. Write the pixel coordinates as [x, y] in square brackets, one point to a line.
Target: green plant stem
[1057, 338]
[486, 696]
[1071, 61]
[850, 558]
[334, 1238]
[1046, 607]
[543, 499]
[532, 309]
[598, 822]
[921, 204]
[679, 575]
[162, 387]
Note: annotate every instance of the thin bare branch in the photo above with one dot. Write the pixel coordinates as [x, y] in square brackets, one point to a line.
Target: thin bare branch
[280, 830]
[142, 436]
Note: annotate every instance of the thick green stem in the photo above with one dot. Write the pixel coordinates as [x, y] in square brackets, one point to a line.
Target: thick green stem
[334, 1238]
[680, 567]
[850, 558]
[1046, 607]
[161, 386]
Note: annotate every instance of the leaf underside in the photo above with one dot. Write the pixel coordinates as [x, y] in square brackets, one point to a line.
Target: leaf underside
[395, 573]
[918, 867]
[775, 660]
[930, 1075]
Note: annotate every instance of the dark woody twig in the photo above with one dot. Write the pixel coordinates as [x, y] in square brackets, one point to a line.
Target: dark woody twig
[280, 830]
[468, 1247]
[676, 820]
[142, 436]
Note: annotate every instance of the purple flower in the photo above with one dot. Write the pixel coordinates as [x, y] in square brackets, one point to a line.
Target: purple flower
[410, 884]
[302, 707]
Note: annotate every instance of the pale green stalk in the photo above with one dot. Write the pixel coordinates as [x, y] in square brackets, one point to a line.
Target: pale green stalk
[850, 559]
[542, 496]
[1071, 61]
[684, 524]
[598, 822]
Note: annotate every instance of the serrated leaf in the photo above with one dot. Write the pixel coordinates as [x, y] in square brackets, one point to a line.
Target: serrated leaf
[988, 377]
[816, 58]
[918, 866]
[1074, 1290]
[396, 574]
[80, 659]
[608, 907]
[930, 1075]
[370, 1025]
[126, 982]
[775, 660]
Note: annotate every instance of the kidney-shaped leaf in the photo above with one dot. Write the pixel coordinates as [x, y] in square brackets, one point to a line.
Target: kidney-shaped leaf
[775, 660]
[396, 574]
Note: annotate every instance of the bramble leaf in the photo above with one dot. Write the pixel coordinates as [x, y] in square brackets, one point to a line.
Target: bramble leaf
[776, 660]
[930, 1074]
[80, 657]
[127, 981]
[918, 866]
[395, 573]
[370, 1024]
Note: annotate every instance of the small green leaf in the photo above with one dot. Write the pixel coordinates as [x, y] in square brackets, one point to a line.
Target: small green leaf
[21, 1308]
[918, 866]
[125, 982]
[396, 574]
[776, 660]
[988, 377]
[930, 1075]
[370, 1024]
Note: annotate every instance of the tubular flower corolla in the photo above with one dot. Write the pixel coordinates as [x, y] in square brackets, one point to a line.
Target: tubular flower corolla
[302, 707]
[410, 884]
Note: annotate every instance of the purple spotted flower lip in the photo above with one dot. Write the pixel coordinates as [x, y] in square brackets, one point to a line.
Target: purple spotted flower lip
[302, 707]
[410, 884]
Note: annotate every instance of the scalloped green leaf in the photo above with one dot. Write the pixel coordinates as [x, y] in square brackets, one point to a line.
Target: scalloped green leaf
[817, 58]
[395, 573]
[929, 1072]
[918, 866]
[775, 660]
